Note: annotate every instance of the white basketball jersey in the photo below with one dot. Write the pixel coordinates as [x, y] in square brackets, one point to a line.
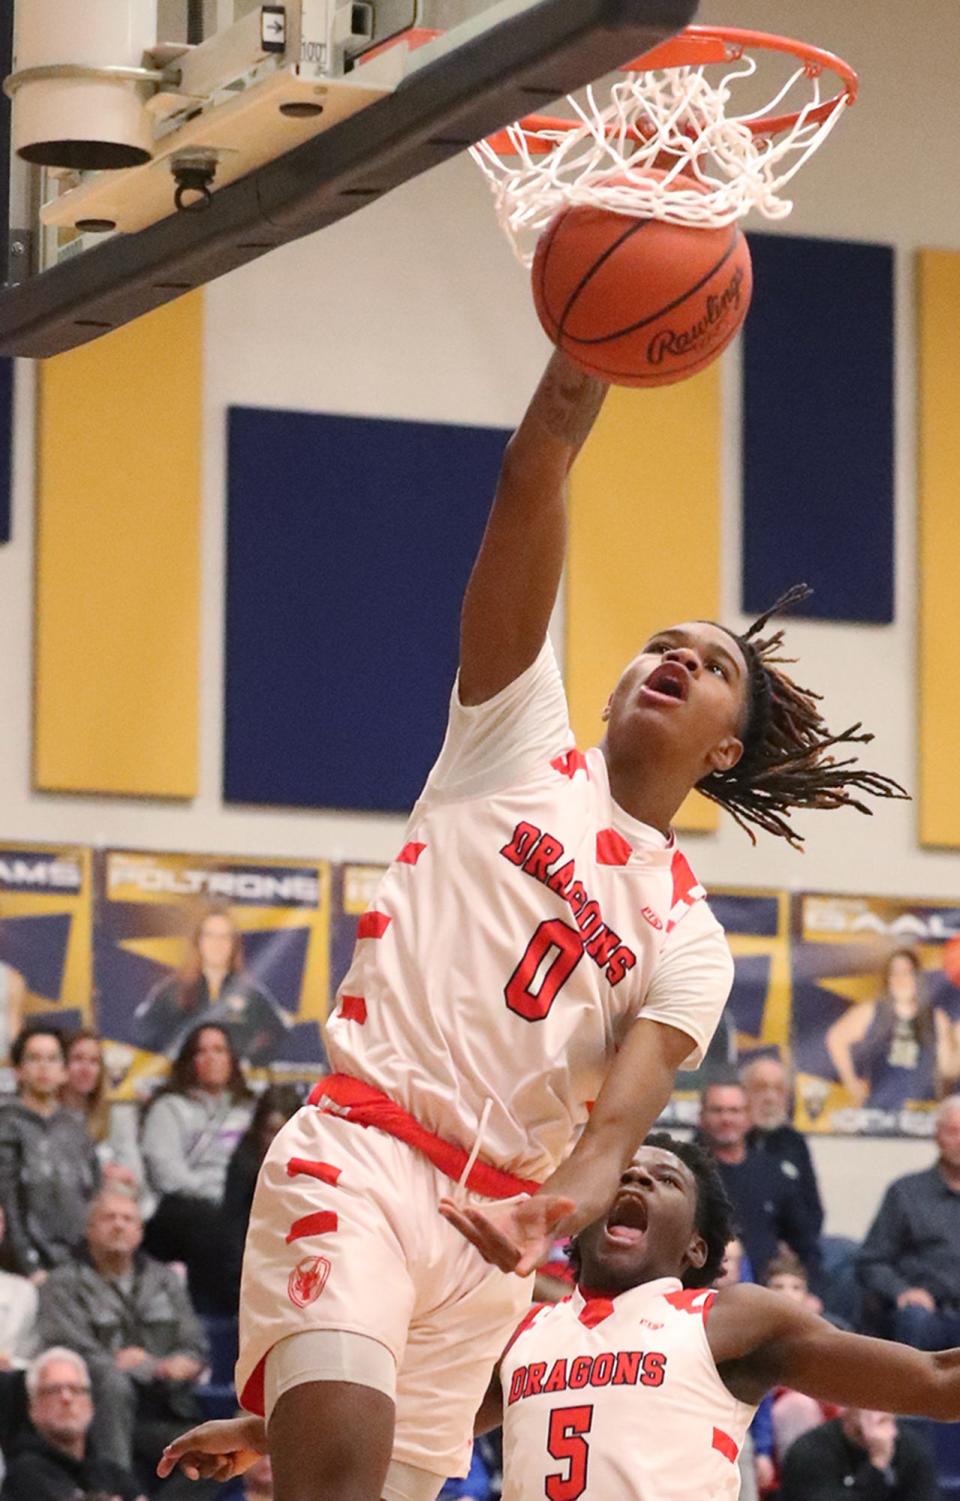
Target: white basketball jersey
[620, 1399]
[525, 924]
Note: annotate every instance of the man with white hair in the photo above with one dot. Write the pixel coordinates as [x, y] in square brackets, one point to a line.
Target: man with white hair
[910, 1260]
[767, 1084]
[55, 1462]
[131, 1318]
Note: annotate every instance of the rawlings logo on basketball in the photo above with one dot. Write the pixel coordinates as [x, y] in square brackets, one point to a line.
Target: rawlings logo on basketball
[307, 1280]
[679, 342]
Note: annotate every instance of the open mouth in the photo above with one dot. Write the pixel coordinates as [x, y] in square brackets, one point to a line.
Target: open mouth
[668, 681]
[627, 1220]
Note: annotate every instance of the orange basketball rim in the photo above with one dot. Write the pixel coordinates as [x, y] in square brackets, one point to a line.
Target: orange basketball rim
[738, 111]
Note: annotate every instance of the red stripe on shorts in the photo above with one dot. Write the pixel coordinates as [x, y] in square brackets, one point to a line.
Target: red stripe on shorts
[725, 1445]
[372, 925]
[353, 1100]
[353, 1008]
[324, 1171]
[320, 1223]
[410, 854]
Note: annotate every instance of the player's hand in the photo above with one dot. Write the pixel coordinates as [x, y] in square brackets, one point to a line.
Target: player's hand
[216, 1451]
[515, 1237]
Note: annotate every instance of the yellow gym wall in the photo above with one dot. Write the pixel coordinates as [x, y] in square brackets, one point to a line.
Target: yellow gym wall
[645, 536]
[119, 448]
[938, 288]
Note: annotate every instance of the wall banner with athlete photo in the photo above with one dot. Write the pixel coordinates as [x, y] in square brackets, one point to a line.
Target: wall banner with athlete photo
[876, 1013]
[756, 1019]
[183, 939]
[45, 905]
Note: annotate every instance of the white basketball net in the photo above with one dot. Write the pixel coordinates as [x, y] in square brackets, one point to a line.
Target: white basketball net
[672, 117]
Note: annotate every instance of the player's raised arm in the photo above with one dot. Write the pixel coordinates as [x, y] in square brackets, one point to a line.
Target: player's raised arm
[760, 1340]
[513, 586]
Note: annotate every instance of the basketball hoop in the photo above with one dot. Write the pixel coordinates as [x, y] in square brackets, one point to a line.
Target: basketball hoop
[664, 112]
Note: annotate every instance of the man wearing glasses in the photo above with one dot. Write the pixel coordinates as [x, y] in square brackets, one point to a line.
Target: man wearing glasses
[55, 1463]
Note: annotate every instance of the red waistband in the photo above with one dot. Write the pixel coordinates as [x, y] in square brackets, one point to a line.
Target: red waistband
[339, 1094]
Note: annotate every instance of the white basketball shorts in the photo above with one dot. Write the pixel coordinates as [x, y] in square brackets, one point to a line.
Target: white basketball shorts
[345, 1234]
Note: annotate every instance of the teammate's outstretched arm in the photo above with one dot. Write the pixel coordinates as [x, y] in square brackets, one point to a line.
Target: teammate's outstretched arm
[765, 1341]
[513, 586]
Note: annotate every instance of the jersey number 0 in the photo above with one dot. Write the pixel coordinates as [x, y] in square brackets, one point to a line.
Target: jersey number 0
[565, 944]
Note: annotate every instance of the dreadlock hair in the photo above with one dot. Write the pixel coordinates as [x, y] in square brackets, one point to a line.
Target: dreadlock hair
[714, 1212]
[785, 762]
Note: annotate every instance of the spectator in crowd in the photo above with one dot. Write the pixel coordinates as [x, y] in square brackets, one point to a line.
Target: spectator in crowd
[273, 1109]
[131, 1320]
[18, 1310]
[736, 1267]
[766, 1201]
[768, 1102]
[213, 986]
[190, 1132]
[84, 1090]
[48, 1165]
[56, 1462]
[85, 1093]
[910, 1260]
[794, 1413]
[898, 1047]
[861, 1456]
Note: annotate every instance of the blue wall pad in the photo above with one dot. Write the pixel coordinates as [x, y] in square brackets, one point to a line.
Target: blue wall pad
[6, 447]
[818, 427]
[349, 545]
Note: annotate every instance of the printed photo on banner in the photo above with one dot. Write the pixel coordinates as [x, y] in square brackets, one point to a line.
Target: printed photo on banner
[45, 903]
[756, 1020]
[876, 1013]
[180, 940]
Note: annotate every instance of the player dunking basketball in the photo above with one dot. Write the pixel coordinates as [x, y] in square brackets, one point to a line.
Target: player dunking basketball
[641, 1385]
[538, 944]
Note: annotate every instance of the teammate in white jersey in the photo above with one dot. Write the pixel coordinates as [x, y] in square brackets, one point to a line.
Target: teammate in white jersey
[538, 962]
[642, 1384]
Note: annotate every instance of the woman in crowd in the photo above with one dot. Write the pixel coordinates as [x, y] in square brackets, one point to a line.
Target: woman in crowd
[213, 986]
[274, 1108]
[85, 1093]
[898, 1047]
[190, 1132]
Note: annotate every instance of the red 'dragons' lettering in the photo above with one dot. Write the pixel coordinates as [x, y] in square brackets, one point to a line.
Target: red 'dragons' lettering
[534, 852]
[609, 1368]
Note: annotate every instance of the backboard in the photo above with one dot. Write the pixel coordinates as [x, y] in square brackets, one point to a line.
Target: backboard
[204, 133]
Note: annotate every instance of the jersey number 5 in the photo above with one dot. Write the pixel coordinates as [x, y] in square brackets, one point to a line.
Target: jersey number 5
[554, 938]
[565, 1441]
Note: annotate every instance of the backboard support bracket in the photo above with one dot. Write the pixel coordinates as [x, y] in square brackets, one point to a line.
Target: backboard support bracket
[548, 49]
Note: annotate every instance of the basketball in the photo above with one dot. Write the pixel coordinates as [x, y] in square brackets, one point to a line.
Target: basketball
[640, 302]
